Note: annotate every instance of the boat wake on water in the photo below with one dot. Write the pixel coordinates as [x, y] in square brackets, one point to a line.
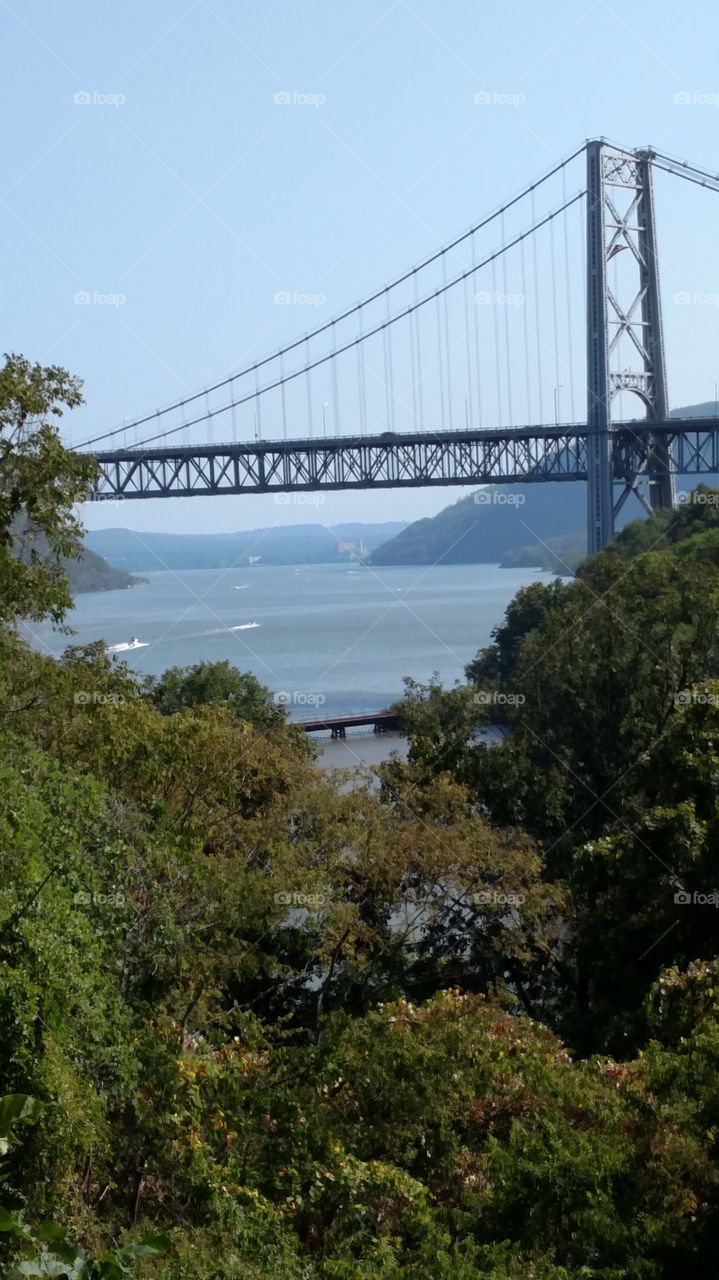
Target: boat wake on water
[134, 643]
[220, 631]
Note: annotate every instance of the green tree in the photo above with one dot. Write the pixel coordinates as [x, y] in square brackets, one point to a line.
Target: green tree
[219, 684]
[40, 481]
[525, 613]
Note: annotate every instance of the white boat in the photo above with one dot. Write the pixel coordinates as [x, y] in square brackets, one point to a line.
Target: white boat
[244, 587]
[132, 643]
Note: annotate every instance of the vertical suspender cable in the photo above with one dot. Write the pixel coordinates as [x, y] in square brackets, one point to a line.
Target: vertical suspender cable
[439, 359]
[308, 388]
[467, 346]
[446, 343]
[391, 367]
[476, 334]
[505, 303]
[208, 417]
[335, 389]
[258, 405]
[555, 326]
[536, 313]
[525, 326]
[282, 393]
[234, 411]
[583, 239]
[584, 258]
[495, 315]
[569, 298]
[413, 368]
[420, 393]
[361, 388]
[385, 367]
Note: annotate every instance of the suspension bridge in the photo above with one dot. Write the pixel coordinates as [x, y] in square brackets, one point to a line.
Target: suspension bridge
[461, 370]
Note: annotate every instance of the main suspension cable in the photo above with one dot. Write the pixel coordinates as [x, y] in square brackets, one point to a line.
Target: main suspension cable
[350, 311]
[378, 328]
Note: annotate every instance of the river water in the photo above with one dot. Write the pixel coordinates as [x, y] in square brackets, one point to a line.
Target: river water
[329, 639]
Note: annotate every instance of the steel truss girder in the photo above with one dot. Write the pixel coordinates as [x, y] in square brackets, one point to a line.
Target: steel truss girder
[520, 455]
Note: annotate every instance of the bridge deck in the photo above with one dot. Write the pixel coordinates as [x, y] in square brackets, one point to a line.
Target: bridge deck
[382, 721]
[505, 455]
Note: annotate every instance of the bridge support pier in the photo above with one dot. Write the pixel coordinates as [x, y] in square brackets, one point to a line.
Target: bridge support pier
[620, 216]
[600, 490]
[662, 490]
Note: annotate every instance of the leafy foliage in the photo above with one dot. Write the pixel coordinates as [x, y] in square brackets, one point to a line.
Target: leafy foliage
[40, 481]
[460, 1019]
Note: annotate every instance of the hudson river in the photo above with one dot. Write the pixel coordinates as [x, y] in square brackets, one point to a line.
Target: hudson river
[329, 638]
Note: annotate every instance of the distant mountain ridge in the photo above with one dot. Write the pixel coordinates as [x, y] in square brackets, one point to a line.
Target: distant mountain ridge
[289, 544]
[538, 525]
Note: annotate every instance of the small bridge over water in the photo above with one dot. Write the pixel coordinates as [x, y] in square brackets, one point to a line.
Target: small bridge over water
[382, 722]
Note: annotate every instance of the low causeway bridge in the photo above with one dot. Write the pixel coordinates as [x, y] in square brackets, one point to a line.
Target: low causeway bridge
[382, 722]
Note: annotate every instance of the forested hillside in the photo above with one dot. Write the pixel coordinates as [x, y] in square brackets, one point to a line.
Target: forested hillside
[84, 570]
[255, 1023]
[91, 572]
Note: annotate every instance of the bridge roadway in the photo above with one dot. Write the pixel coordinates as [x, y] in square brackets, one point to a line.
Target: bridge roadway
[506, 455]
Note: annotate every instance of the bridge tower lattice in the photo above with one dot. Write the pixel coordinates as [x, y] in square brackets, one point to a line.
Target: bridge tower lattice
[620, 217]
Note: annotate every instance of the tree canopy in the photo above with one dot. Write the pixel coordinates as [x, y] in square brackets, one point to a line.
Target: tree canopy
[459, 1018]
[40, 482]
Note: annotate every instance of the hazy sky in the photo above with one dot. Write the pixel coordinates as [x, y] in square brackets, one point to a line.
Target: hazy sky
[185, 191]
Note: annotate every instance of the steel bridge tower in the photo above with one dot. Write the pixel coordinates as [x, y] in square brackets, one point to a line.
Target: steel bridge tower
[621, 321]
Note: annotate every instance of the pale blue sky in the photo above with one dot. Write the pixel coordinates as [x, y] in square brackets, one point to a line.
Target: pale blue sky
[196, 197]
